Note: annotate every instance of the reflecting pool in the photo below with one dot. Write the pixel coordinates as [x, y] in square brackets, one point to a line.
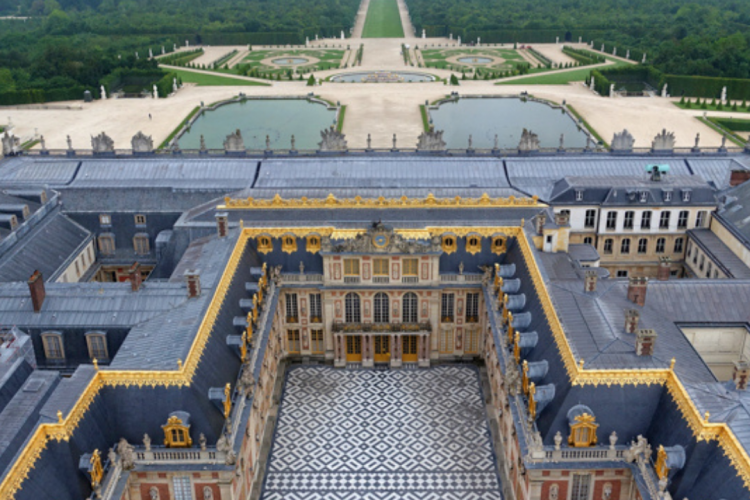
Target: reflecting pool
[289, 61]
[278, 119]
[483, 118]
[474, 60]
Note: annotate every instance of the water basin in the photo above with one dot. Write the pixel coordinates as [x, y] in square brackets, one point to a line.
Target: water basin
[474, 60]
[383, 77]
[278, 119]
[483, 118]
[289, 61]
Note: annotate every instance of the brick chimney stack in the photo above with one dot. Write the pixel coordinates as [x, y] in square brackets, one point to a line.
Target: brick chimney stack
[36, 288]
[632, 317]
[591, 279]
[193, 282]
[662, 273]
[539, 222]
[738, 177]
[740, 374]
[134, 276]
[645, 341]
[222, 224]
[637, 290]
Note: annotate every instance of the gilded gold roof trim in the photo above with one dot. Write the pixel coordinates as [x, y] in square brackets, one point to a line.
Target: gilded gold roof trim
[702, 429]
[182, 376]
[358, 202]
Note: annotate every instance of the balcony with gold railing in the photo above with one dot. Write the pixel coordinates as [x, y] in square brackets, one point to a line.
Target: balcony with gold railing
[422, 327]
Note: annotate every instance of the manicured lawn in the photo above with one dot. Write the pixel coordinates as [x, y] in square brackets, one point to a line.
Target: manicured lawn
[383, 20]
[203, 79]
[551, 79]
[709, 107]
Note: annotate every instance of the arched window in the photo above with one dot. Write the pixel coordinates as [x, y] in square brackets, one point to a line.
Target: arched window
[352, 309]
[380, 302]
[410, 308]
[582, 427]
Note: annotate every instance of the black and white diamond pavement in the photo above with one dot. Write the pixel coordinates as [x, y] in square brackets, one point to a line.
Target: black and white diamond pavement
[382, 435]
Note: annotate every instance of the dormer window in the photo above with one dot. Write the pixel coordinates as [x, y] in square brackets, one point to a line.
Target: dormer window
[264, 244]
[686, 195]
[105, 219]
[579, 194]
[583, 427]
[644, 196]
[667, 195]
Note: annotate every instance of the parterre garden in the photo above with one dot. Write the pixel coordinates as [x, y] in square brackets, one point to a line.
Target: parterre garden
[252, 64]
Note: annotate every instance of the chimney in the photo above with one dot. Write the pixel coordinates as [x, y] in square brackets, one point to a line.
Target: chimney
[740, 374]
[222, 224]
[738, 177]
[193, 281]
[36, 287]
[562, 218]
[134, 276]
[632, 316]
[540, 219]
[637, 290]
[662, 274]
[592, 277]
[645, 340]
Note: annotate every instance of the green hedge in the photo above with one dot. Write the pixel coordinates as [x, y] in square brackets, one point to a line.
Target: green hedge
[181, 58]
[706, 86]
[38, 95]
[733, 124]
[584, 57]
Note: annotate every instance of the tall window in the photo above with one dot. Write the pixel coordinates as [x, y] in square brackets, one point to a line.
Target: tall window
[678, 245]
[53, 346]
[580, 487]
[646, 220]
[660, 244]
[608, 245]
[446, 309]
[352, 310]
[625, 246]
[472, 307]
[140, 244]
[97, 344]
[411, 267]
[107, 244]
[409, 308]
[316, 309]
[316, 341]
[664, 220]
[182, 489]
[380, 303]
[628, 222]
[611, 220]
[351, 267]
[590, 219]
[642, 245]
[292, 312]
[700, 219]
[588, 240]
[682, 219]
[380, 267]
[292, 345]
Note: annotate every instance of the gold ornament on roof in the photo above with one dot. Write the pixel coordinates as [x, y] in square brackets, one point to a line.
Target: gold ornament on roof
[662, 471]
[227, 400]
[97, 471]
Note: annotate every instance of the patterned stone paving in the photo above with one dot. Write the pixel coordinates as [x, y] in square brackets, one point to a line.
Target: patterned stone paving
[374, 434]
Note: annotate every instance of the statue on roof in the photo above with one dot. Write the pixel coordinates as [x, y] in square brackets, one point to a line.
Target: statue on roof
[234, 142]
[142, 143]
[431, 141]
[333, 140]
[664, 141]
[102, 143]
[623, 141]
[529, 141]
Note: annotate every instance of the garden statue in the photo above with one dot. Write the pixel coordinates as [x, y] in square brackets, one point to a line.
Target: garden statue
[103, 92]
[70, 143]
[155, 92]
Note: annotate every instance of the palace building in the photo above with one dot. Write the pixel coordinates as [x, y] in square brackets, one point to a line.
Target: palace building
[370, 326]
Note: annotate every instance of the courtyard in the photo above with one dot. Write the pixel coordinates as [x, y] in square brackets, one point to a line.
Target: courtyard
[385, 434]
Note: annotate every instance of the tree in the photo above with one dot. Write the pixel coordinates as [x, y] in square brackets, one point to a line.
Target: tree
[311, 81]
[454, 79]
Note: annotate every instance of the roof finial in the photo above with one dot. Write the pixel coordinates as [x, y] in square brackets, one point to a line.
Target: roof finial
[179, 363]
[59, 417]
[672, 363]
[96, 364]
[580, 364]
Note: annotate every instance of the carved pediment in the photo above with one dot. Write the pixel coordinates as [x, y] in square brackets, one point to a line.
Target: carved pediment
[234, 142]
[529, 141]
[142, 143]
[333, 140]
[431, 141]
[623, 141]
[380, 238]
[102, 143]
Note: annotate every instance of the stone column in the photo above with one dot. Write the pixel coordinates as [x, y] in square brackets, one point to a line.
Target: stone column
[368, 352]
[339, 360]
[395, 351]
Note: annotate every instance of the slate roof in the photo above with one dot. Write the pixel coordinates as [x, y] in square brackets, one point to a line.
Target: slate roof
[46, 247]
[722, 255]
[736, 212]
